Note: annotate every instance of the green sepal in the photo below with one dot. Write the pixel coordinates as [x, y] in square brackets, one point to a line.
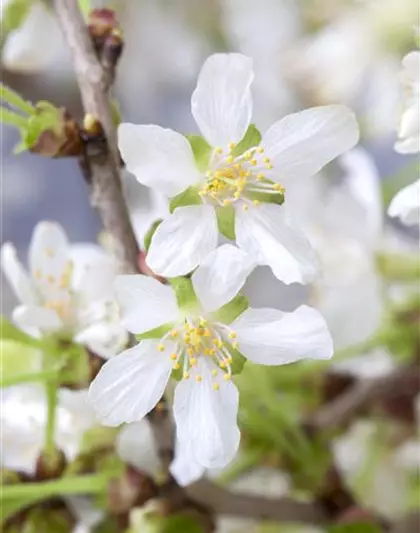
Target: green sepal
[238, 360]
[150, 232]
[184, 292]
[188, 197]
[201, 150]
[155, 333]
[177, 373]
[266, 198]
[226, 221]
[230, 311]
[251, 138]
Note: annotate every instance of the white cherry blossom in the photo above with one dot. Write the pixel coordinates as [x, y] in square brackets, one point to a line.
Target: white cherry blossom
[199, 343]
[295, 147]
[68, 290]
[406, 204]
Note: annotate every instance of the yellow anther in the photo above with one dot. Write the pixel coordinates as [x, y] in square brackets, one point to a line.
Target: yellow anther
[214, 372]
[231, 146]
[50, 278]
[219, 150]
[207, 351]
[161, 347]
[203, 321]
[235, 345]
[227, 377]
[193, 361]
[245, 207]
[253, 162]
[38, 274]
[227, 201]
[278, 187]
[174, 333]
[222, 364]
[198, 378]
[187, 338]
[206, 333]
[176, 366]
[256, 202]
[269, 166]
[173, 356]
[260, 176]
[237, 166]
[237, 194]
[202, 193]
[229, 159]
[190, 352]
[232, 335]
[212, 351]
[247, 155]
[247, 174]
[266, 160]
[186, 375]
[260, 149]
[216, 386]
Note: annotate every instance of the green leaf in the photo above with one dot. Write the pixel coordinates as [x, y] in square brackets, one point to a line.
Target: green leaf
[11, 118]
[231, 310]
[155, 333]
[14, 15]
[188, 197]
[226, 221]
[150, 232]
[177, 523]
[14, 99]
[251, 138]
[201, 150]
[184, 292]
[46, 117]
[18, 362]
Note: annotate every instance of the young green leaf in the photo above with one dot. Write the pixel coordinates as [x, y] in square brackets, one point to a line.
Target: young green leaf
[14, 99]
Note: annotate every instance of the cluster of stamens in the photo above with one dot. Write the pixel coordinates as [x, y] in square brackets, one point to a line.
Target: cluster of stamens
[235, 178]
[195, 339]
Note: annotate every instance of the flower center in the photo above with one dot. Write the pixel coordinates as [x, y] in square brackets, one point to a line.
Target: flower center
[232, 179]
[195, 338]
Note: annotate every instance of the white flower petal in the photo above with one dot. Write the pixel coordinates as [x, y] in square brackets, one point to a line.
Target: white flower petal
[221, 275]
[221, 103]
[406, 204]
[93, 272]
[17, 276]
[28, 317]
[183, 240]
[129, 385]
[49, 254]
[302, 143]
[266, 233]
[103, 338]
[135, 445]
[206, 419]
[159, 158]
[271, 337]
[184, 468]
[145, 303]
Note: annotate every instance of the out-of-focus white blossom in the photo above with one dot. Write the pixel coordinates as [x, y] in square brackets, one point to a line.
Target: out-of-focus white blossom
[406, 204]
[23, 420]
[68, 290]
[36, 44]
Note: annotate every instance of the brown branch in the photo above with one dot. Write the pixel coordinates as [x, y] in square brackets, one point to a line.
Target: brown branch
[226, 502]
[350, 402]
[104, 168]
[106, 193]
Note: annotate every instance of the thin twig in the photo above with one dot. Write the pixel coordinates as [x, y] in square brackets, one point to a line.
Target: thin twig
[226, 502]
[106, 193]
